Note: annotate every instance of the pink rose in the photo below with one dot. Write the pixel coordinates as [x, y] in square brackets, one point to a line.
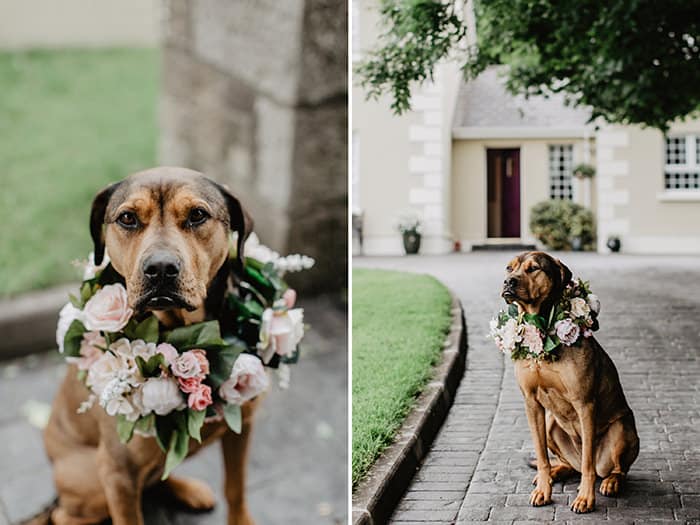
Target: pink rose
[532, 339]
[567, 331]
[280, 332]
[168, 351]
[108, 309]
[290, 297]
[248, 379]
[201, 356]
[200, 398]
[89, 349]
[186, 366]
[189, 385]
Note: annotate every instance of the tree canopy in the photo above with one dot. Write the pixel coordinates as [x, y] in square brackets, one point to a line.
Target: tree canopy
[630, 61]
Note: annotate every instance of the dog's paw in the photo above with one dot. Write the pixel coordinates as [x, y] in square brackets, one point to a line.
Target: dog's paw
[540, 497]
[192, 493]
[583, 504]
[611, 485]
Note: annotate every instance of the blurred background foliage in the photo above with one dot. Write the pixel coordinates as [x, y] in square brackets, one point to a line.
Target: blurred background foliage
[71, 121]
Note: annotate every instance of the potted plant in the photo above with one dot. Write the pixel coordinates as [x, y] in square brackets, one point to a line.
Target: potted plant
[614, 243]
[584, 171]
[409, 227]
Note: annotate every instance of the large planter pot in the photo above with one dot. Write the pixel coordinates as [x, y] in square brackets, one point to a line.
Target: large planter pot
[577, 244]
[411, 242]
[614, 244]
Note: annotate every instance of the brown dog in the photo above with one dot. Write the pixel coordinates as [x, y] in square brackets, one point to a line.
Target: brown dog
[575, 405]
[167, 234]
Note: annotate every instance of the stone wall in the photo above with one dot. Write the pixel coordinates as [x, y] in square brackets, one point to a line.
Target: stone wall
[255, 95]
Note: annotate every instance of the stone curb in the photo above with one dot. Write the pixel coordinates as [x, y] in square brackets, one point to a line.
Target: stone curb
[28, 322]
[376, 497]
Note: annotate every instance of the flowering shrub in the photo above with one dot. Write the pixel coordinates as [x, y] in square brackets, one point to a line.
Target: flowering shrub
[167, 383]
[523, 335]
[556, 222]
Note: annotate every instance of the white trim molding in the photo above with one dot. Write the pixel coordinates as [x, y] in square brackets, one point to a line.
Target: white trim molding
[661, 244]
[678, 196]
[519, 132]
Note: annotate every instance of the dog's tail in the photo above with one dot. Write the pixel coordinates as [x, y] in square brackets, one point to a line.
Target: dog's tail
[43, 517]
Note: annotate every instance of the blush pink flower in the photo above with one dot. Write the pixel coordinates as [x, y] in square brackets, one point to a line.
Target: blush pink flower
[90, 350]
[532, 339]
[190, 384]
[248, 380]
[567, 331]
[186, 366]
[200, 398]
[108, 309]
[168, 351]
[290, 297]
[201, 356]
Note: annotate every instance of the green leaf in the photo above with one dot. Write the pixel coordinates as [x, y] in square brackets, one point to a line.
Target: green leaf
[85, 293]
[75, 301]
[535, 320]
[147, 330]
[195, 420]
[221, 362]
[550, 343]
[146, 424]
[513, 310]
[164, 431]
[200, 335]
[233, 417]
[151, 367]
[73, 338]
[125, 428]
[177, 451]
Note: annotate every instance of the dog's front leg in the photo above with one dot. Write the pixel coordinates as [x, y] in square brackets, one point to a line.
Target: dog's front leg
[542, 494]
[585, 500]
[235, 448]
[120, 483]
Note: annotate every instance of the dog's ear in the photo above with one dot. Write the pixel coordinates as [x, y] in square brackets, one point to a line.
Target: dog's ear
[240, 220]
[565, 273]
[97, 219]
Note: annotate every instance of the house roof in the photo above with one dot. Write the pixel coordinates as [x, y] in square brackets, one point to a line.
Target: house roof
[484, 103]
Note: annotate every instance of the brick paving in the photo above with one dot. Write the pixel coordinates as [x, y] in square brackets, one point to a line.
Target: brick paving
[650, 325]
[298, 465]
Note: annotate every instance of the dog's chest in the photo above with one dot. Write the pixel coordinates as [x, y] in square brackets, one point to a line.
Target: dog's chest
[545, 382]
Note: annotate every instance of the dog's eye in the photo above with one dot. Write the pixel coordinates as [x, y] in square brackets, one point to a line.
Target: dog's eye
[509, 269]
[128, 220]
[196, 217]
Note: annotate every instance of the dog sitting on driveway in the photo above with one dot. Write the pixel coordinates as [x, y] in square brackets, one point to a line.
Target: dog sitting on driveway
[167, 233]
[575, 405]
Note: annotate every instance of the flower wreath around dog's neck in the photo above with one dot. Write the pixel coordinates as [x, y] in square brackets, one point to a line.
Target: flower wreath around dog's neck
[531, 336]
[168, 383]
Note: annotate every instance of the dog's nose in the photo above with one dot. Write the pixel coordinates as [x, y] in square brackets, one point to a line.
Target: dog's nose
[161, 266]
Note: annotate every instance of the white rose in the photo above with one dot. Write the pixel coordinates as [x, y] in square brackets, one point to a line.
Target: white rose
[579, 307]
[122, 349]
[257, 251]
[510, 335]
[187, 366]
[102, 371]
[280, 332]
[66, 316]
[161, 395]
[594, 302]
[248, 379]
[113, 399]
[108, 309]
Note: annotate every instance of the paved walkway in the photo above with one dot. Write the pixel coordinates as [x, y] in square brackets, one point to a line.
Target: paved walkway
[650, 325]
[299, 453]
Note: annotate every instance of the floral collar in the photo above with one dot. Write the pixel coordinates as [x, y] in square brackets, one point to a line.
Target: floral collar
[166, 383]
[531, 336]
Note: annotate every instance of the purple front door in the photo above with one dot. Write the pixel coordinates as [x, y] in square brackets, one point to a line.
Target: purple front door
[503, 170]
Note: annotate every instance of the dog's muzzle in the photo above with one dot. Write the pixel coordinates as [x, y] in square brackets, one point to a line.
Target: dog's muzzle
[161, 272]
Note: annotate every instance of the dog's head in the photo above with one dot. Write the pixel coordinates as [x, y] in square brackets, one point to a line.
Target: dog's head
[167, 234]
[534, 280]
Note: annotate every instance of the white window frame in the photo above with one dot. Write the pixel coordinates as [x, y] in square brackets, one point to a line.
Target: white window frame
[691, 166]
[549, 171]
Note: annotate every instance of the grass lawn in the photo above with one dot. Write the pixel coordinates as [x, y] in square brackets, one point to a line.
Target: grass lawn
[399, 324]
[71, 121]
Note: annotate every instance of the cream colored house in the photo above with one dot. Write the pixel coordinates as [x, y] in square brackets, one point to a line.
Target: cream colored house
[472, 160]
